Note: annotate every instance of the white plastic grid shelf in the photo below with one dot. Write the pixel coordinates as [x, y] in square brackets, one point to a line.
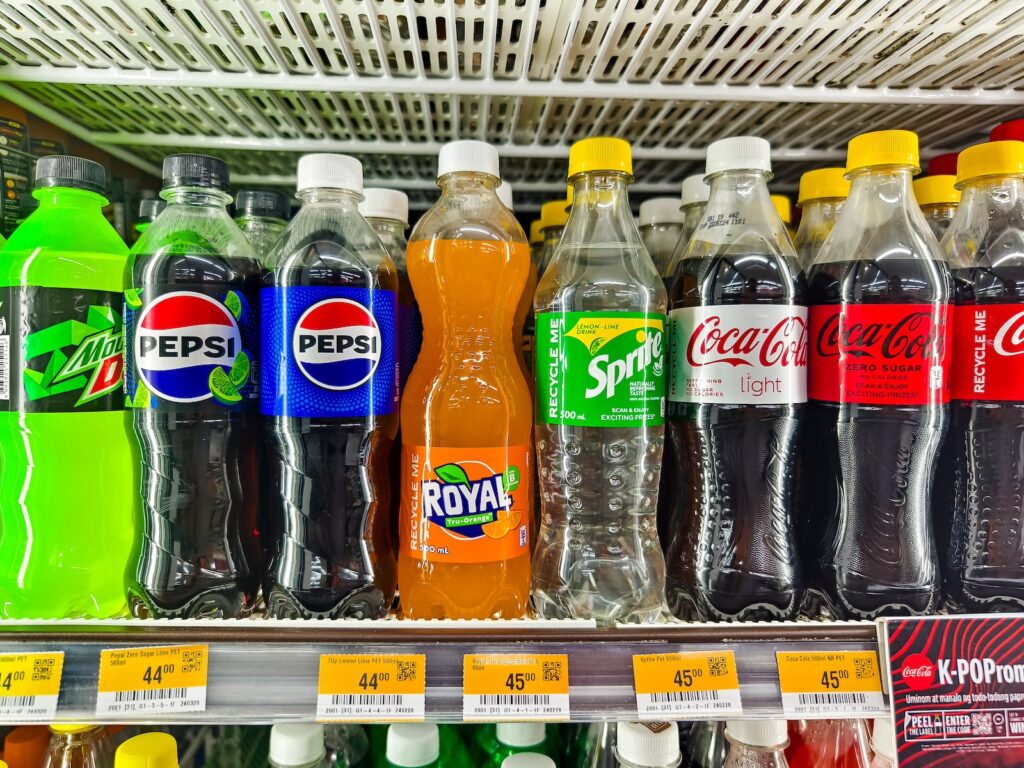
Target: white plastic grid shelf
[258, 81]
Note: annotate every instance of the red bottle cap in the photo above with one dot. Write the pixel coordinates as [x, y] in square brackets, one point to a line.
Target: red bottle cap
[943, 165]
[25, 746]
[1011, 130]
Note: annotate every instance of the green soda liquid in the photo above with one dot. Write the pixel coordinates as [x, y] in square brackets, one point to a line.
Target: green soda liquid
[67, 480]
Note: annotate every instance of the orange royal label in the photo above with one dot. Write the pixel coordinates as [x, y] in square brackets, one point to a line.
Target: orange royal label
[466, 505]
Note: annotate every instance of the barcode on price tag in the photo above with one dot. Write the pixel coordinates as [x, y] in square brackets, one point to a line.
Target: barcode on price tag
[29, 686]
[364, 687]
[144, 681]
[825, 684]
[515, 686]
[670, 685]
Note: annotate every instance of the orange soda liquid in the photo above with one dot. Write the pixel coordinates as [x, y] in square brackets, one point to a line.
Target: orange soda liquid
[467, 463]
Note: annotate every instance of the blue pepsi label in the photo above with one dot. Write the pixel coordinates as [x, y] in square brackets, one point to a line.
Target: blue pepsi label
[190, 347]
[328, 352]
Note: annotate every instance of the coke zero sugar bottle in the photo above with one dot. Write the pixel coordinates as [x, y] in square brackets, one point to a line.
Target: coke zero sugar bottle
[880, 324]
[738, 336]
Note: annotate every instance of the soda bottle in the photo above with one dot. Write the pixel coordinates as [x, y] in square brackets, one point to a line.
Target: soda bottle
[832, 743]
[984, 544]
[880, 293]
[883, 742]
[785, 210]
[528, 760]
[414, 745]
[938, 198]
[705, 745]
[600, 404]
[523, 330]
[822, 194]
[329, 398]
[149, 209]
[553, 217]
[191, 336]
[661, 222]
[297, 745]
[738, 331]
[66, 488]
[536, 241]
[262, 215]
[756, 743]
[78, 746]
[467, 464]
[694, 197]
[150, 750]
[647, 745]
[514, 738]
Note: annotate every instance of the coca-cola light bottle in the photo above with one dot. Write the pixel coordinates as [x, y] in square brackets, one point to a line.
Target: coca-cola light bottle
[880, 294]
[984, 552]
[738, 351]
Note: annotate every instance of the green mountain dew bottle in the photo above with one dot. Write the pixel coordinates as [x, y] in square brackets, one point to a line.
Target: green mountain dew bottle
[67, 484]
[190, 337]
[517, 738]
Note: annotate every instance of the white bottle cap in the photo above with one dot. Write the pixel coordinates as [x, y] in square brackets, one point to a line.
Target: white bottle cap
[740, 153]
[883, 738]
[528, 760]
[521, 734]
[296, 744]
[758, 733]
[413, 744]
[330, 172]
[661, 210]
[467, 156]
[505, 194]
[379, 203]
[649, 744]
[695, 190]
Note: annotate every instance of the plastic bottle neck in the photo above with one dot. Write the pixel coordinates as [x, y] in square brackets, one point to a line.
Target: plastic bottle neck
[468, 183]
[820, 214]
[600, 211]
[346, 198]
[888, 185]
[391, 227]
[202, 197]
[68, 197]
[744, 187]
[989, 204]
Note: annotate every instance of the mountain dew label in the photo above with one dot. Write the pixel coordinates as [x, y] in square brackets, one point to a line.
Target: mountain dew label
[191, 347]
[61, 350]
[601, 369]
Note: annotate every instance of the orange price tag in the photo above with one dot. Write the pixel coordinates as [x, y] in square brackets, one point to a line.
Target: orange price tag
[29, 685]
[669, 684]
[515, 686]
[147, 680]
[364, 687]
[830, 683]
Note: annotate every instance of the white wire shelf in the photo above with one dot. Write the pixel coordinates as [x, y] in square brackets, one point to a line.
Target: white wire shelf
[258, 81]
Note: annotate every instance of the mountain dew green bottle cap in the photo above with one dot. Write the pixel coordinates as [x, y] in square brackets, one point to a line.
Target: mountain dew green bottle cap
[70, 171]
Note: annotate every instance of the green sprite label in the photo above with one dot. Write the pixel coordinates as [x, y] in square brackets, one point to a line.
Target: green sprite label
[601, 369]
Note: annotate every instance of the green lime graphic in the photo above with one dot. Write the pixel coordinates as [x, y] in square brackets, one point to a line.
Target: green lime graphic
[132, 298]
[240, 370]
[222, 389]
[234, 304]
[452, 473]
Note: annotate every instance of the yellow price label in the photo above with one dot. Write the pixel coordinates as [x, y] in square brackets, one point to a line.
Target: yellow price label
[30, 674]
[515, 686]
[663, 672]
[830, 682]
[369, 674]
[146, 680]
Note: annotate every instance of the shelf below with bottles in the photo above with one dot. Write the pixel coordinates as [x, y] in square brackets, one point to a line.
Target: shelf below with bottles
[266, 671]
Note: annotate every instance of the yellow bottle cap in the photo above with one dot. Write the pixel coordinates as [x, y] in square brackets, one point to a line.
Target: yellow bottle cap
[995, 158]
[570, 190]
[935, 190]
[72, 727]
[883, 148]
[150, 750]
[784, 207]
[603, 153]
[553, 214]
[535, 233]
[822, 184]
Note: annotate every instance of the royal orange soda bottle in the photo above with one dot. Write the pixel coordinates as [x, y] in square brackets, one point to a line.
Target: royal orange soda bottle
[466, 410]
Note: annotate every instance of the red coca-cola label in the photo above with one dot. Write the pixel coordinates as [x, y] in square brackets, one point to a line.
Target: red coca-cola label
[988, 352]
[881, 354]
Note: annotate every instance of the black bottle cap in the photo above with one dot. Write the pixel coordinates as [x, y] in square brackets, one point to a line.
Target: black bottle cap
[70, 171]
[195, 171]
[150, 207]
[262, 202]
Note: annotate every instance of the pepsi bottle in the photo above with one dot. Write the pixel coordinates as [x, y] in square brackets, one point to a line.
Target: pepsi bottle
[329, 397]
[191, 333]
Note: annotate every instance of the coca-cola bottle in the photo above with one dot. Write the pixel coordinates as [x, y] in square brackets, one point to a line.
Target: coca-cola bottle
[984, 552]
[880, 327]
[738, 336]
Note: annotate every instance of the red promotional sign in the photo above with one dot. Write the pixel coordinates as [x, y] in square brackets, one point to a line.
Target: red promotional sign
[988, 350]
[880, 354]
[957, 689]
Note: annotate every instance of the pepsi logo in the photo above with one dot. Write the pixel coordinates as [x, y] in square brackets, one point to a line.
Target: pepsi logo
[180, 338]
[337, 344]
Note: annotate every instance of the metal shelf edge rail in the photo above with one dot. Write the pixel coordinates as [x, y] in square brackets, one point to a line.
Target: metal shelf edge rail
[267, 671]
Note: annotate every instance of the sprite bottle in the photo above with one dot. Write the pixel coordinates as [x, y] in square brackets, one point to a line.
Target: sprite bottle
[66, 489]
